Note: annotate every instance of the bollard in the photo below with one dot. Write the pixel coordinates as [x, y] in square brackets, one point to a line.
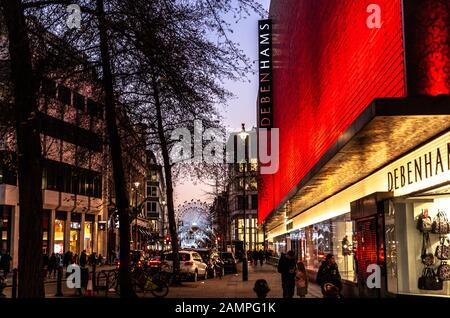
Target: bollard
[14, 284]
[244, 269]
[59, 282]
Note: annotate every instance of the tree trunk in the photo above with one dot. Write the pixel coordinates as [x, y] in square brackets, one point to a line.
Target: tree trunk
[168, 175]
[31, 284]
[122, 200]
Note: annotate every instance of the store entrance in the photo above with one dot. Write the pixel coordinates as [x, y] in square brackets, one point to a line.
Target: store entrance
[368, 214]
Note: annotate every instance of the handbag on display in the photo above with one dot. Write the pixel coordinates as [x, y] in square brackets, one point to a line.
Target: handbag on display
[424, 223]
[429, 280]
[427, 258]
[440, 223]
[442, 251]
[443, 271]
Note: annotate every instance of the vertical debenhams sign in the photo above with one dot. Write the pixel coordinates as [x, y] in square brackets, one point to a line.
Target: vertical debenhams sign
[265, 105]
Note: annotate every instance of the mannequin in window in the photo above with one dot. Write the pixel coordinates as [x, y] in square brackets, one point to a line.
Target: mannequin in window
[345, 246]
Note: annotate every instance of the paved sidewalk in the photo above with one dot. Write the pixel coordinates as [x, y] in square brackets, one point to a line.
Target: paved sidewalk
[232, 286]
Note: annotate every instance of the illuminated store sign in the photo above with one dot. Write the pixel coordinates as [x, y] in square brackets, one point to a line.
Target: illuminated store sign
[265, 105]
[427, 165]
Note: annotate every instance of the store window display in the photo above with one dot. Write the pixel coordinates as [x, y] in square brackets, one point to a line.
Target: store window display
[418, 250]
[334, 236]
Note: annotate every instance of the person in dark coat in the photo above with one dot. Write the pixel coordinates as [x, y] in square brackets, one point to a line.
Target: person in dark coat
[5, 263]
[67, 258]
[52, 265]
[328, 277]
[286, 267]
[83, 259]
[261, 256]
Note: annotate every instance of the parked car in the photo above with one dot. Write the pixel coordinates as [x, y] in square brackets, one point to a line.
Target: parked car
[137, 258]
[229, 262]
[191, 264]
[212, 259]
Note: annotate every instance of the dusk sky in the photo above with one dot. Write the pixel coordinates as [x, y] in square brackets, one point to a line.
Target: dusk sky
[240, 109]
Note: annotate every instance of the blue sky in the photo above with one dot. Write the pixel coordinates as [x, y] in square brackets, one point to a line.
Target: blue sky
[241, 108]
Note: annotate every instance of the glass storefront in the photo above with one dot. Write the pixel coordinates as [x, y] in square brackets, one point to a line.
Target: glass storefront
[313, 243]
[88, 230]
[58, 245]
[75, 229]
[254, 240]
[45, 231]
[405, 244]
[5, 228]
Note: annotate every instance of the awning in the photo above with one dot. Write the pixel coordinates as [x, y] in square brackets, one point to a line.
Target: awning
[386, 130]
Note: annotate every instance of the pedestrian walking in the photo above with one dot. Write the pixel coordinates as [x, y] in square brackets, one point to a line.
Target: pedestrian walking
[286, 267]
[45, 262]
[67, 258]
[100, 260]
[255, 257]
[5, 263]
[83, 259]
[301, 280]
[261, 256]
[52, 265]
[329, 279]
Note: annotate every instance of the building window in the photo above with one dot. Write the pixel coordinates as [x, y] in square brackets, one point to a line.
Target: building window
[48, 88]
[250, 184]
[152, 191]
[58, 176]
[92, 108]
[64, 95]
[78, 101]
[153, 176]
[254, 201]
[152, 210]
[240, 202]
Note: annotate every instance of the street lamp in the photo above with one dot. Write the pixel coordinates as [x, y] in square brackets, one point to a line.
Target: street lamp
[163, 224]
[243, 135]
[136, 185]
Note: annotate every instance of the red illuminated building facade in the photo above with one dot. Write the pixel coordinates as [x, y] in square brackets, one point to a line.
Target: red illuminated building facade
[363, 113]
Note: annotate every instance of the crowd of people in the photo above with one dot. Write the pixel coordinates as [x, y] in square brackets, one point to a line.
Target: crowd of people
[255, 256]
[294, 276]
[55, 260]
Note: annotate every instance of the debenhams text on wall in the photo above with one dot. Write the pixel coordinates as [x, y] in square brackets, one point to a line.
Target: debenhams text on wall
[427, 165]
[265, 104]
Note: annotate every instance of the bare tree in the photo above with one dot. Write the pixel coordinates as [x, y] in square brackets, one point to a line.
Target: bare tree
[27, 124]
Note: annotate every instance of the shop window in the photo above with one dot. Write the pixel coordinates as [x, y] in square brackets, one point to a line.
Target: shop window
[404, 244]
[58, 246]
[88, 235]
[334, 236]
[5, 228]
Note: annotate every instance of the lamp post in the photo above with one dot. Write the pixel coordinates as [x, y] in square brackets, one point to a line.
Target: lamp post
[243, 135]
[136, 185]
[163, 224]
